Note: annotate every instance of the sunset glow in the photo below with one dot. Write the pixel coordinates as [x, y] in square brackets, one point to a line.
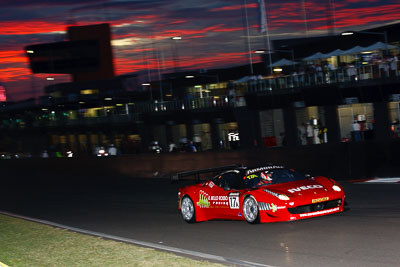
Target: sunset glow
[212, 32]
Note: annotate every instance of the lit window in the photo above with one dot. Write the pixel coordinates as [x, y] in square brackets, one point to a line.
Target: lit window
[89, 91]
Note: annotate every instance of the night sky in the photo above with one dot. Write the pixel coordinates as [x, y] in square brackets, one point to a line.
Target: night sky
[213, 32]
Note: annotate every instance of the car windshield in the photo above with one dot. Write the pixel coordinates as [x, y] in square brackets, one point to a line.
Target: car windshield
[272, 176]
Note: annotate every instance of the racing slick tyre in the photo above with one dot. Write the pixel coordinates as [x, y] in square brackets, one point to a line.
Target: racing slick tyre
[187, 209]
[250, 210]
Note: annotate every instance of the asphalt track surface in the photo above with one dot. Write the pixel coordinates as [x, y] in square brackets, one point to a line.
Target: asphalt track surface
[367, 234]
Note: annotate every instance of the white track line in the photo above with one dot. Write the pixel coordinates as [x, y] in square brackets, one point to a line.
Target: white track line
[384, 180]
[143, 243]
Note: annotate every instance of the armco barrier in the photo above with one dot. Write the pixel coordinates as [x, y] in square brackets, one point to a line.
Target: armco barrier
[340, 161]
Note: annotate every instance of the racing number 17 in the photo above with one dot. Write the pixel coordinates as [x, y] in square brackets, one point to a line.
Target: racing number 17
[234, 202]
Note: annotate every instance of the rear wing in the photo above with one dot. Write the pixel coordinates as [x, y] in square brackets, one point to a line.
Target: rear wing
[196, 174]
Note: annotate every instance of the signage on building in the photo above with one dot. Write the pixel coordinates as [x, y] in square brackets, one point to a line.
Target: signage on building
[233, 137]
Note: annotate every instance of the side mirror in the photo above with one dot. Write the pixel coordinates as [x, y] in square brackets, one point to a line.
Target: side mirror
[226, 188]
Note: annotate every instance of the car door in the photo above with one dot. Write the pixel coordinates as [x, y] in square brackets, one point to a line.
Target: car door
[225, 196]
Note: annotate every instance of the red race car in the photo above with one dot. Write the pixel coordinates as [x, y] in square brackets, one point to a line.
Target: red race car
[264, 194]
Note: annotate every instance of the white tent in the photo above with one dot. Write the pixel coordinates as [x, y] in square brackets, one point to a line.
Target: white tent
[317, 55]
[283, 62]
[334, 53]
[248, 78]
[355, 50]
[379, 46]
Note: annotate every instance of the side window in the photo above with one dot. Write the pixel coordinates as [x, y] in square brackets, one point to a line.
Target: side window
[219, 180]
[231, 180]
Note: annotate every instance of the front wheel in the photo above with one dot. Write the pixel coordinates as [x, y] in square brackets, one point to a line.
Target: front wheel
[250, 210]
[187, 209]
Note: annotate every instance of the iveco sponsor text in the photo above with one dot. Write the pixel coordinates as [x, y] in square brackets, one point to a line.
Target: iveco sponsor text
[306, 187]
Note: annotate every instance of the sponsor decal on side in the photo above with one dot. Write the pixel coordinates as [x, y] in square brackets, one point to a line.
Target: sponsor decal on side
[211, 184]
[218, 201]
[203, 200]
[220, 198]
[320, 212]
[207, 201]
[306, 187]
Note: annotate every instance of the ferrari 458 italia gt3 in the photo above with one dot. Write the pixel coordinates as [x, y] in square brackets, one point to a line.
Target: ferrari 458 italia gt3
[264, 194]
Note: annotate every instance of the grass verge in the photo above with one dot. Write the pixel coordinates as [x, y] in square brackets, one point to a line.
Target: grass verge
[25, 243]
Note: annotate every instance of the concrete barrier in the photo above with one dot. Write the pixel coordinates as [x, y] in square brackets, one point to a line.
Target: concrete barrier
[340, 161]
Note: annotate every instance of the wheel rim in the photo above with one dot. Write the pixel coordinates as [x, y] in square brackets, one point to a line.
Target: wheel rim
[187, 208]
[250, 209]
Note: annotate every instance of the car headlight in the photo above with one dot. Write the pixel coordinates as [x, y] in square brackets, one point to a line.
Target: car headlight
[280, 196]
[283, 197]
[336, 188]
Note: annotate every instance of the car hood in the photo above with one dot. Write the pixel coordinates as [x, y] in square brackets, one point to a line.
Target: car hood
[298, 188]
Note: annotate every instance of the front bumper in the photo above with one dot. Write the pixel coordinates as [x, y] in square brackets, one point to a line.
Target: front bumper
[292, 212]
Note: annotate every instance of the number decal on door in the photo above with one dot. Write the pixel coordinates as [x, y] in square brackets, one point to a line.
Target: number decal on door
[234, 202]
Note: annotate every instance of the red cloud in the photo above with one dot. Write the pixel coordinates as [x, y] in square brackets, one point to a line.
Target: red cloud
[190, 32]
[125, 65]
[363, 16]
[236, 7]
[229, 29]
[12, 57]
[30, 27]
[290, 15]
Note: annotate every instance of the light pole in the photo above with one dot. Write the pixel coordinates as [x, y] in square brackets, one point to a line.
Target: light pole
[159, 57]
[159, 76]
[151, 91]
[175, 52]
[248, 37]
[303, 8]
[263, 51]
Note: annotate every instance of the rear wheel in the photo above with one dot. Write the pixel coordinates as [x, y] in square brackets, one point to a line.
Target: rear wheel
[250, 210]
[187, 209]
